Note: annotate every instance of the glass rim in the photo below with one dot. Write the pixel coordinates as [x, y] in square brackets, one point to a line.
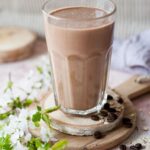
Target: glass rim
[60, 18]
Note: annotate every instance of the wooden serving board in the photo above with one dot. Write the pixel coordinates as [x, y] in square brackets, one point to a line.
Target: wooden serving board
[128, 90]
[15, 43]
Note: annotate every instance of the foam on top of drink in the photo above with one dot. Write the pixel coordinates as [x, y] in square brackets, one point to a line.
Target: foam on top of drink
[79, 13]
[79, 17]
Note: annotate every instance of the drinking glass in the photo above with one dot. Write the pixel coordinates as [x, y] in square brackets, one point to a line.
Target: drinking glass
[79, 35]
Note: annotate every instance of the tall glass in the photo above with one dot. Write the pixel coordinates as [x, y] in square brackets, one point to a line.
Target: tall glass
[79, 36]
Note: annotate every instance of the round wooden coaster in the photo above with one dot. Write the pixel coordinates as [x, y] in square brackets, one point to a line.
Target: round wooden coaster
[85, 125]
[15, 43]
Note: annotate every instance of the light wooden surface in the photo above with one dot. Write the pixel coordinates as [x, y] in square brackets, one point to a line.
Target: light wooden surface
[132, 89]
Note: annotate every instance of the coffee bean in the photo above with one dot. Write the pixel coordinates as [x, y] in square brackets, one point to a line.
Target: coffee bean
[112, 117]
[112, 110]
[123, 147]
[126, 120]
[98, 135]
[109, 97]
[103, 113]
[132, 147]
[120, 101]
[95, 117]
[139, 146]
[128, 125]
[106, 106]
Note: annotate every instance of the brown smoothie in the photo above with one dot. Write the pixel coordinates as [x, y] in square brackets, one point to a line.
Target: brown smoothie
[80, 54]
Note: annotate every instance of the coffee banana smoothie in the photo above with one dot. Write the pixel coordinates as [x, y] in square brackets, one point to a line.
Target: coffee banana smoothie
[80, 52]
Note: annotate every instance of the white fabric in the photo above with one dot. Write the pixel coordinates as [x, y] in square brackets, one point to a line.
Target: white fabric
[133, 54]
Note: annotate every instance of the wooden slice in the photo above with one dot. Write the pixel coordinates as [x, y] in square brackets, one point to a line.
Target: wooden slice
[15, 43]
[113, 137]
[84, 125]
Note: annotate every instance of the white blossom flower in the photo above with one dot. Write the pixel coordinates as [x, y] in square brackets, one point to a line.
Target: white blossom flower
[27, 137]
[46, 134]
[19, 146]
[17, 125]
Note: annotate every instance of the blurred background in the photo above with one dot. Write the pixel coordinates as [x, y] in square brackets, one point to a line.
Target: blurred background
[132, 15]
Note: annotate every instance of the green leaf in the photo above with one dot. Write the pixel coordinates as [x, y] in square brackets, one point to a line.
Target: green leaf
[16, 103]
[46, 119]
[39, 108]
[27, 102]
[49, 110]
[49, 73]
[5, 143]
[47, 146]
[37, 144]
[60, 145]
[5, 115]
[39, 69]
[31, 144]
[2, 126]
[37, 124]
[36, 117]
[9, 86]
[28, 118]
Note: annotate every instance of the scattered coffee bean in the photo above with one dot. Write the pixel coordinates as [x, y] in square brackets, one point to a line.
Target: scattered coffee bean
[109, 97]
[132, 147]
[106, 106]
[126, 120]
[139, 146]
[112, 117]
[104, 113]
[98, 135]
[123, 147]
[95, 117]
[128, 125]
[112, 110]
[120, 101]
[136, 128]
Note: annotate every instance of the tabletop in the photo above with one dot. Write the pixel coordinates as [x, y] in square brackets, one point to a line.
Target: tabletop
[19, 69]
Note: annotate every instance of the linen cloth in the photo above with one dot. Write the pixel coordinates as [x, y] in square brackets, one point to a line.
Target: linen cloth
[133, 54]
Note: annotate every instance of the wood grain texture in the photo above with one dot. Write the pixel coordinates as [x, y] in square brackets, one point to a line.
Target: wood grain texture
[132, 89]
[84, 126]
